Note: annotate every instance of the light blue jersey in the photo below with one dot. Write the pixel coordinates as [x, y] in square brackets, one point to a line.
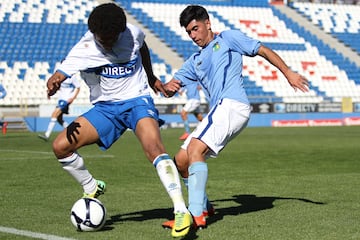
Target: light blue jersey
[218, 66]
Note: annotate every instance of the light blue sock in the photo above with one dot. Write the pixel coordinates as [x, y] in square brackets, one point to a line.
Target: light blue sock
[186, 125]
[198, 173]
[207, 205]
[186, 182]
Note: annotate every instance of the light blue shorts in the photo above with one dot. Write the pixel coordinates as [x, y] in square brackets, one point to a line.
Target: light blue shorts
[112, 119]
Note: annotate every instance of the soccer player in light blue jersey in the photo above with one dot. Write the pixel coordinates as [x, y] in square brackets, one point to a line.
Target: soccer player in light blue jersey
[192, 106]
[114, 61]
[69, 90]
[217, 67]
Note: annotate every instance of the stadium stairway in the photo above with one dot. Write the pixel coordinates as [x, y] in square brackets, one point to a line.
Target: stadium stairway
[332, 78]
[157, 47]
[319, 33]
[339, 20]
[16, 123]
[24, 68]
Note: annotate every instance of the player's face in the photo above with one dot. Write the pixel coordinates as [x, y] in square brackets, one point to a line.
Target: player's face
[200, 32]
[106, 41]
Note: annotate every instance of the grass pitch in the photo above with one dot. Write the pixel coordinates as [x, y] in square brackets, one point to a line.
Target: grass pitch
[268, 183]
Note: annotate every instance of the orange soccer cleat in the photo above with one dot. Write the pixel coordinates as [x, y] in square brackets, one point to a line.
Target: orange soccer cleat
[184, 136]
[198, 222]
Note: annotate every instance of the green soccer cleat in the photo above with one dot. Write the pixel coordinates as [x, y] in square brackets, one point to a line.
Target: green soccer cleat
[209, 212]
[182, 224]
[100, 189]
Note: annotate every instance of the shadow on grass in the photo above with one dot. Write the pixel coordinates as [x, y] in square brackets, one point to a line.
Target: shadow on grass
[249, 203]
[244, 204]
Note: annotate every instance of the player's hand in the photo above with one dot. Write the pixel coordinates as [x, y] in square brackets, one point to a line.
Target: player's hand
[172, 87]
[54, 82]
[158, 86]
[297, 81]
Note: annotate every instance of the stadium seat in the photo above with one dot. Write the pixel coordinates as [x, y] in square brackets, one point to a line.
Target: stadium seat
[45, 32]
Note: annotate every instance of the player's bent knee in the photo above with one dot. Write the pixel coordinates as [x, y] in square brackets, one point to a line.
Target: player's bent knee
[61, 149]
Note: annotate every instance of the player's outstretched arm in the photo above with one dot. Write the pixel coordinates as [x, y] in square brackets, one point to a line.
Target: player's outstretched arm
[54, 82]
[146, 62]
[295, 80]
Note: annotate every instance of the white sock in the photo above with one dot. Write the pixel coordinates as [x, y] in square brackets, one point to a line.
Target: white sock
[75, 166]
[65, 124]
[50, 127]
[169, 177]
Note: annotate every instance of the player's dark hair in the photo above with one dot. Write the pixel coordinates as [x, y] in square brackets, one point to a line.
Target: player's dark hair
[193, 12]
[107, 19]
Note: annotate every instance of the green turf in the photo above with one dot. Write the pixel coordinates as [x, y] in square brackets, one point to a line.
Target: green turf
[269, 183]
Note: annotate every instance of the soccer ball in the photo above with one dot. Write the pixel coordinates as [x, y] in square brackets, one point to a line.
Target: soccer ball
[88, 214]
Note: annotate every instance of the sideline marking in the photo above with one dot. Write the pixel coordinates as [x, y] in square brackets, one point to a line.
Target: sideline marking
[21, 151]
[52, 154]
[32, 234]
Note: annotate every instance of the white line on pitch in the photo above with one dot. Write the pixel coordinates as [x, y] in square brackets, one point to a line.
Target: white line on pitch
[51, 153]
[21, 151]
[32, 234]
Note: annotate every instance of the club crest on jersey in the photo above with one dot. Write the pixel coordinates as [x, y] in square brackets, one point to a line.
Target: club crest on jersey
[118, 70]
[216, 47]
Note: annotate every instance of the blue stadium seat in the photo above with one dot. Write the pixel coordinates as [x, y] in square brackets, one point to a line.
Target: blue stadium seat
[42, 41]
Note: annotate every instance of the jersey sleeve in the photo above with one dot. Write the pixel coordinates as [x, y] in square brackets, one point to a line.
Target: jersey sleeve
[140, 37]
[241, 43]
[186, 73]
[82, 56]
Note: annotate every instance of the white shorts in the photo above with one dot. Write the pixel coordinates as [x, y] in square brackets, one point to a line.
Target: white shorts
[223, 122]
[191, 105]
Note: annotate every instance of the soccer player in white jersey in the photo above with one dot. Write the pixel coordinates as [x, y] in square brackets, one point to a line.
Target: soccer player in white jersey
[69, 90]
[3, 124]
[192, 105]
[114, 61]
[217, 67]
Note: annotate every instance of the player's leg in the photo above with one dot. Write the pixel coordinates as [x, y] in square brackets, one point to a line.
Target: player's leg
[182, 164]
[184, 117]
[55, 114]
[224, 121]
[148, 133]
[197, 179]
[3, 126]
[61, 121]
[79, 133]
[64, 110]
[61, 108]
